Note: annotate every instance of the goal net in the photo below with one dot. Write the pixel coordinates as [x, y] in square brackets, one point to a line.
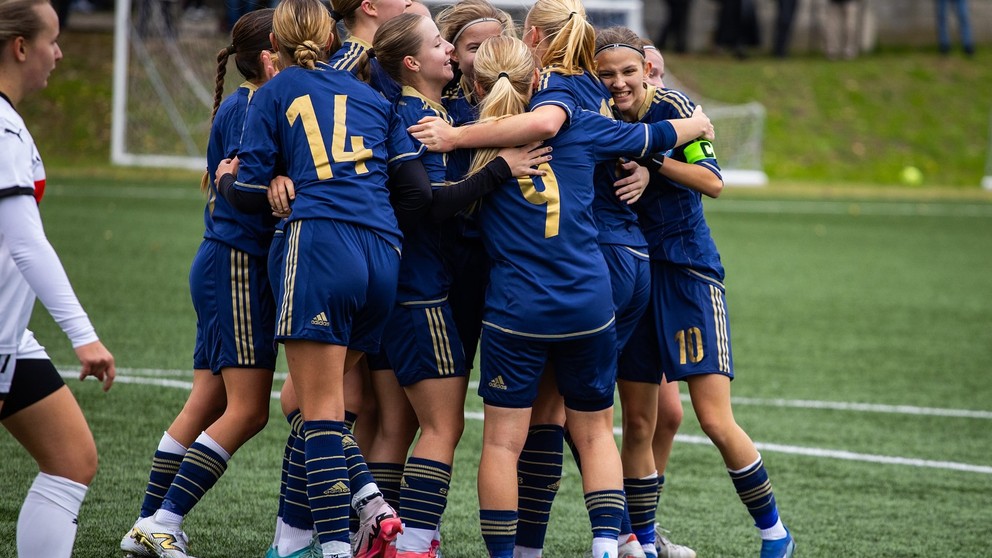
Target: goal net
[164, 72]
[165, 67]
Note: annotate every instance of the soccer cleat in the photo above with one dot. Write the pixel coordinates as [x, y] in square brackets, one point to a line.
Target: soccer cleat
[159, 540]
[668, 549]
[779, 548]
[305, 552]
[132, 548]
[379, 526]
[630, 548]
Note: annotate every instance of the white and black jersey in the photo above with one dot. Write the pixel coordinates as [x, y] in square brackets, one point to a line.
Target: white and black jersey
[29, 266]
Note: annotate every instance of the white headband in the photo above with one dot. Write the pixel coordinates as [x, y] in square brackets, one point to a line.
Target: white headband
[470, 24]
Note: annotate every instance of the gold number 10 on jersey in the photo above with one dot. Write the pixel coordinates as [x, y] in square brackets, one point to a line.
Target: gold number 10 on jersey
[302, 109]
[690, 345]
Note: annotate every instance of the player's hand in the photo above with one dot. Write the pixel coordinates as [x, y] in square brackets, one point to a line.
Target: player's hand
[523, 161]
[269, 64]
[227, 166]
[97, 362]
[281, 194]
[436, 134]
[630, 188]
[708, 132]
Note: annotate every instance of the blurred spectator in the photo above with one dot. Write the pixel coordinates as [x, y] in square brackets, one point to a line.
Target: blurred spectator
[676, 25]
[964, 27]
[785, 13]
[841, 28]
[238, 8]
[737, 26]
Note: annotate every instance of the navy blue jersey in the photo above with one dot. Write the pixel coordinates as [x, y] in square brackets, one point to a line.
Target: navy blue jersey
[337, 156]
[462, 109]
[549, 278]
[346, 58]
[616, 221]
[248, 233]
[671, 215]
[424, 279]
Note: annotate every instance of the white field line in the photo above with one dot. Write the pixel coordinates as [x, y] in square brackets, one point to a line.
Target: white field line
[801, 207]
[134, 376]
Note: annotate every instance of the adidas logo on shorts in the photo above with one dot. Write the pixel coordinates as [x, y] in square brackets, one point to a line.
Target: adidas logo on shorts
[320, 320]
[498, 383]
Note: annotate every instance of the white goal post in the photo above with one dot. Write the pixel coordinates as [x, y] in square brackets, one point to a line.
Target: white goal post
[165, 66]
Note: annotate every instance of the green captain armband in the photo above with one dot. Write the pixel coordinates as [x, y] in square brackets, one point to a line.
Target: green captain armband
[699, 150]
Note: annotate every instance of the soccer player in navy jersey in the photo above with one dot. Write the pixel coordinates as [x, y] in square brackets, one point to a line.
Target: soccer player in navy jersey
[36, 406]
[420, 339]
[234, 357]
[362, 18]
[549, 299]
[563, 41]
[341, 255]
[686, 335]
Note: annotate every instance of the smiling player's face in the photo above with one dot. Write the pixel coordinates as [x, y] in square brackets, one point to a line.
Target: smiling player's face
[621, 69]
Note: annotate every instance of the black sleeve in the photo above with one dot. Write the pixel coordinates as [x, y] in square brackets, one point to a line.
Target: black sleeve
[245, 202]
[409, 192]
[452, 199]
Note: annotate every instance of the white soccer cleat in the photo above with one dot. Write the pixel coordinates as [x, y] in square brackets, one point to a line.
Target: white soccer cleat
[132, 548]
[668, 549]
[159, 540]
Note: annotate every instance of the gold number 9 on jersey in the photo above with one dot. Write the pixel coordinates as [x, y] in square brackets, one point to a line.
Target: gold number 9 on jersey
[302, 109]
[549, 197]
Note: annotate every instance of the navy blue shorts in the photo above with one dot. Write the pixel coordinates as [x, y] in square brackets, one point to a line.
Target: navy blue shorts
[691, 323]
[640, 360]
[585, 367]
[630, 279]
[339, 284]
[277, 250]
[467, 295]
[423, 343]
[235, 309]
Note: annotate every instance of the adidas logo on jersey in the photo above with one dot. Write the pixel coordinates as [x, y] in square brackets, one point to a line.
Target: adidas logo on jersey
[554, 486]
[320, 320]
[498, 383]
[339, 488]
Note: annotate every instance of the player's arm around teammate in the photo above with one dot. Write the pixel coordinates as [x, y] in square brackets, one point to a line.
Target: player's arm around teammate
[36, 406]
[421, 338]
[690, 340]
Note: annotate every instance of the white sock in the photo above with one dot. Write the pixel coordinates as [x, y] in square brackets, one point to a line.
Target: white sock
[414, 540]
[206, 440]
[292, 539]
[336, 549]
[363, 492]
[603, 547]
[168, 444]
[275, 536]
[47, 523]
[168, 519]
[649, 549]
[774, 532]
[526, 552]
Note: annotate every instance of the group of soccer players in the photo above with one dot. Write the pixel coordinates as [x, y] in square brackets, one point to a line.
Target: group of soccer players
[368, 209]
